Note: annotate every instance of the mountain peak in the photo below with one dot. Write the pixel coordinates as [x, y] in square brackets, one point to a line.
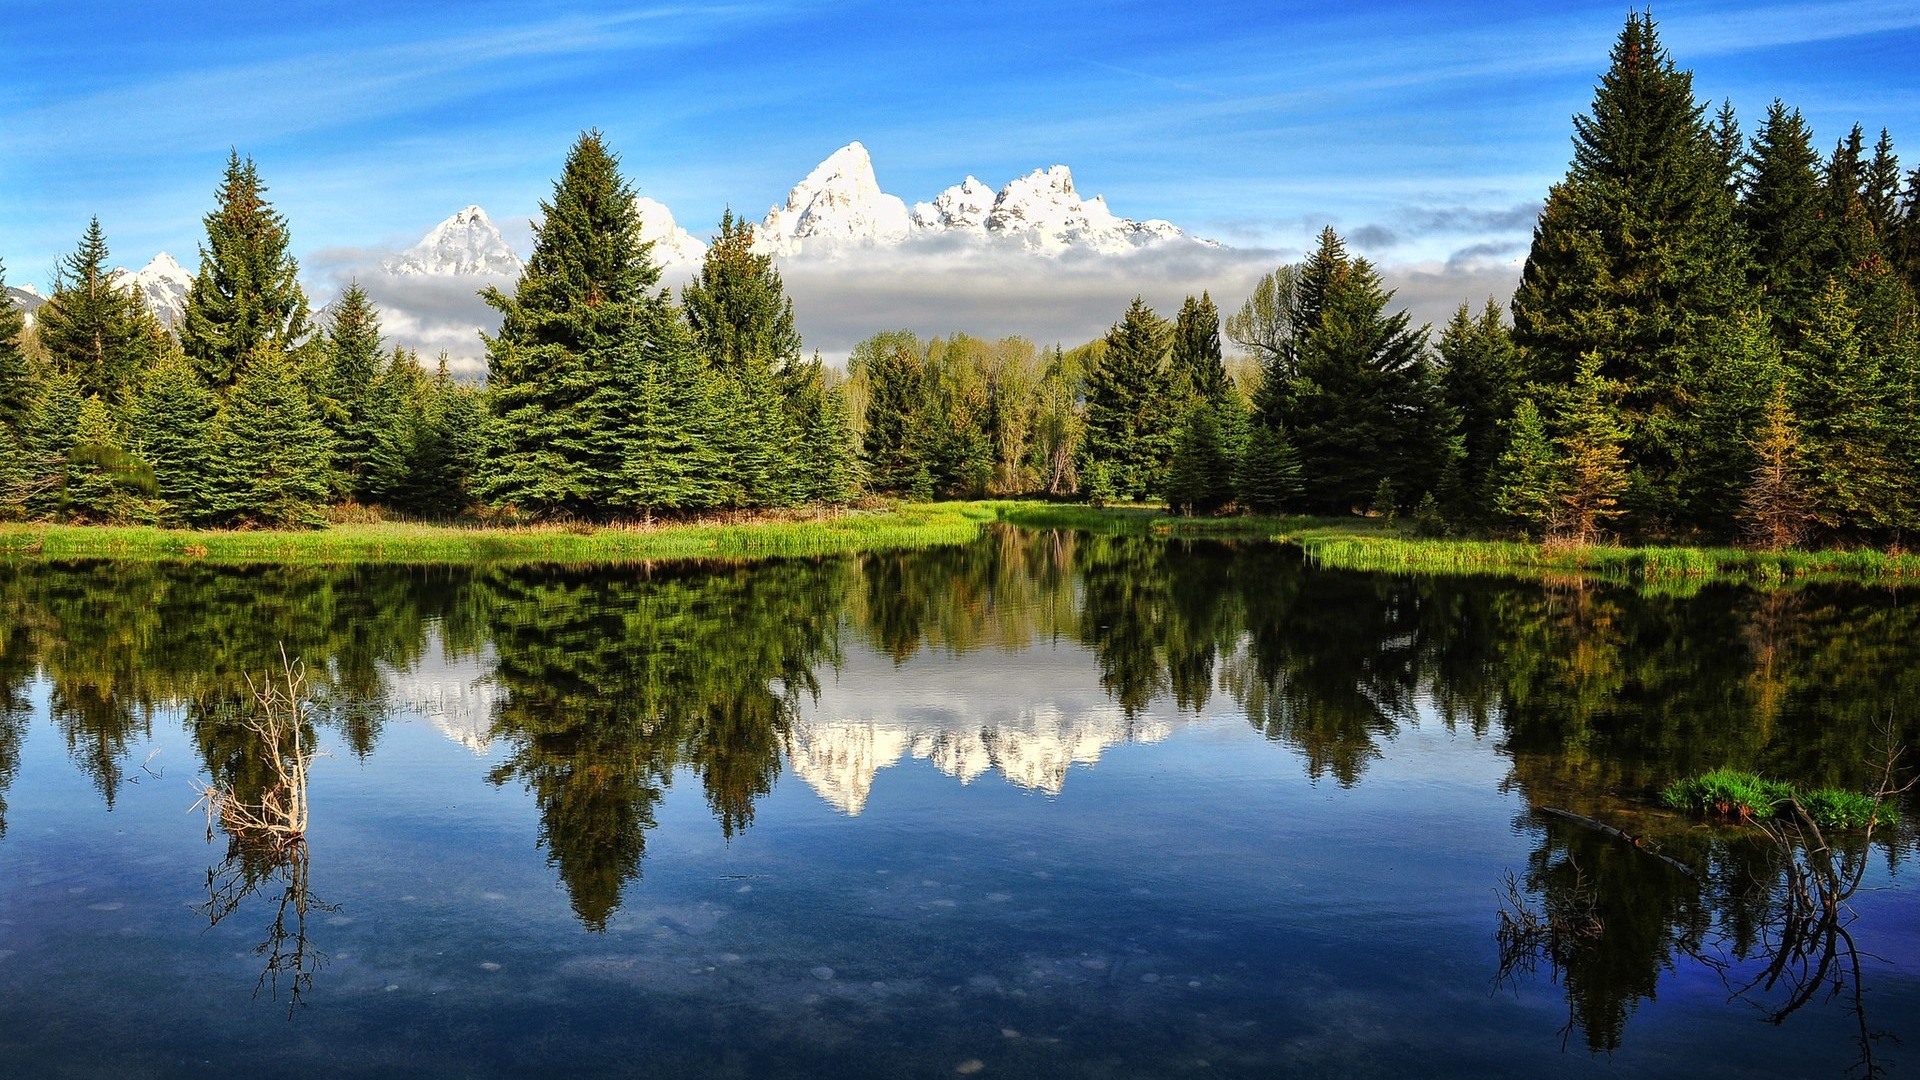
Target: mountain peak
[163, 284]
[839, 203]
[673, 246]
[466, 243]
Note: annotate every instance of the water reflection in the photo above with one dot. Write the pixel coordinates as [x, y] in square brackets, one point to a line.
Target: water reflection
[596, 690]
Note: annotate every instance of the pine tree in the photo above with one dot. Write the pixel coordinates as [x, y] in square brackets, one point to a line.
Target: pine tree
[1361, 403]
[1774, 511]
[246, 300]
[1847, 239]
[104, 483]
[1528, 477]
[92, 327]
[828, 472]
[584, 293]
[1194, 365]
[1268, 480]
[1880, 191]
[1130, 405]
[268, 461]
[17, 378]
[894, 442]
[1780, 211]
[352, 343]
[172, 430]
[1837, 390]
[1591, 456]
[1480, 382]
[674, 432]
[1636, 253]
[1743, 365]
[737, 308]
[49, 437]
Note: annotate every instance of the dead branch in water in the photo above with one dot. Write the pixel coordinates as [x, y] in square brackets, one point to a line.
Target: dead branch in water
[1638, 842]
[276, 817]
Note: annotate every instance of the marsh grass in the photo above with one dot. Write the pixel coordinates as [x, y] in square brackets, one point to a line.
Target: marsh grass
[902, 526]
[1744, 796]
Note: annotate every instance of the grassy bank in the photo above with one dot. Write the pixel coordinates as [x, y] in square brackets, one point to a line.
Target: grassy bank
[1372, 549]
[904, 526]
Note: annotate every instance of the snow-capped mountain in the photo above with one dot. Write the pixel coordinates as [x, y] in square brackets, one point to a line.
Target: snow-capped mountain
[673, 246]
[839, 203]
[1043, 212]
[26, 298]
[163, 284]
[466, 243]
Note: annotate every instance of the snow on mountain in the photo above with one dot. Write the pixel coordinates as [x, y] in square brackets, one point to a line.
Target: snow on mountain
[673, 246]
[466, 243]
[162, 284]
[839, 203]
[1043, 212]
[964, 207]
[26, 298]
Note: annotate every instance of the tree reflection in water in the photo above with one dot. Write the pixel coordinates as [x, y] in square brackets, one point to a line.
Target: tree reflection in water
[613, 683]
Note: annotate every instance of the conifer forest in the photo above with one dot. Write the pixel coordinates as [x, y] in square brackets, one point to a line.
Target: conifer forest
[1714, 339]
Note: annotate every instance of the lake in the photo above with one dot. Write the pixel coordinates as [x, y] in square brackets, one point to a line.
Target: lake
[1046, 805]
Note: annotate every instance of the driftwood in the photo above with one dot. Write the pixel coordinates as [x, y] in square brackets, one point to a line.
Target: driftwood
[1619, 834]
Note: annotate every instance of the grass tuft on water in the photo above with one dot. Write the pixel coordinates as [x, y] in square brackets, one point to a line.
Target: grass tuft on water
[1744, 796]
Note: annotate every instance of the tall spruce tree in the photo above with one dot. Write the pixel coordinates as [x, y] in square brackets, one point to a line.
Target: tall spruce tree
[1591, 458]
[583, 296]
[1528, 479]
[894, 443]
[1354, 389]
[270, 448]
[1781, 210]
[1774, 511]
[1838, 391]
[246, 299]
[17, 379]
[92, 327]
[670, 434]
[1480, 382]
[351, 339]
[172, 430]
[1131, 410]
[1635, 255]
[737, 307]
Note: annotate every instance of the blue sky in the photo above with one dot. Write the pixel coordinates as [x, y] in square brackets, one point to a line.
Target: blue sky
[1424, 128]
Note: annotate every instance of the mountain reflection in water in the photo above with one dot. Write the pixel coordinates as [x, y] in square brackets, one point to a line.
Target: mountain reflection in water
[1021, 657]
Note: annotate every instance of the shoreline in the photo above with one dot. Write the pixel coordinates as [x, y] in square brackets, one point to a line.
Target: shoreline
[1338, 543]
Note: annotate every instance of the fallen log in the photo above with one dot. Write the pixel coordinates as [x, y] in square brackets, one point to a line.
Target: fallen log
[1619, 834]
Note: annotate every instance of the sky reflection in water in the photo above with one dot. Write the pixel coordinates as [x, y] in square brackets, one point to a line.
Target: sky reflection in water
[1048, 805]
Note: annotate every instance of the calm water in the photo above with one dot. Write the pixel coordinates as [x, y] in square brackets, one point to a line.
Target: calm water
[1049, 805]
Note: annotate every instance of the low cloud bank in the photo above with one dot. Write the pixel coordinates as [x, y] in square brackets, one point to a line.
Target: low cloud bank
[935, 287]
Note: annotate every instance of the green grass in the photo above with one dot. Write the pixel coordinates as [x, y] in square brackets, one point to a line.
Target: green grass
[1667, 568]
[902, 526]
[1742, 796]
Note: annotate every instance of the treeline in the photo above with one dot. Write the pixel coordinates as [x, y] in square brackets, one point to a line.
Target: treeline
[1714, 336]
[604, 397]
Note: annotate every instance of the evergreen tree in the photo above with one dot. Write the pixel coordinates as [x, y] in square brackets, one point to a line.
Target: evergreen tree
[828, 472]
[1268, 480]
[894, 441]
[1528, 476]
[1743, 364]
[1880, 190]
[1200, 476]
[17, 379]
[583, 294]
[1480, 382]
[270, 449]
[1130, 405]
[49, 438]
[1847, 234]
[1591, 457]
[673, 434]
[1774, 511]
[103, 483]
[1361, 404]
[1837, 390]
[1194, 365]
[352, 344]
[1636, 253]
[737, 308]
[1781, 213]
[247, 294]
[94, 328]
[172, 430]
